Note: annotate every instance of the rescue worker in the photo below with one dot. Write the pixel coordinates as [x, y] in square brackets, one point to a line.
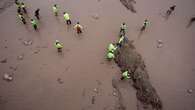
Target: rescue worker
[59, 46]
[22, 18]
[78, 28]
[23, 6]
[110, 56]
[34, 24]
[67, 18]
[123, 29]
[111, 48]
[146, 23]
[37, 13]
[55, 9]
[125, 75]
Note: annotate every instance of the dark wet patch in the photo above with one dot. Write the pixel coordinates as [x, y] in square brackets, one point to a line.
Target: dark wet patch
[128, 59]
[60, 81]
[93, 100]
[129, 4]
[3, 60]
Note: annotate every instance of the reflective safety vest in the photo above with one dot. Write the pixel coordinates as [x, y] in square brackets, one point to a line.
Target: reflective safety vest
[58, 45]
[110, 55]
[111, 48]
[121, 39]
[33, 22]
[126, 75]
[55, 9]
[23, 6]
[66, 16]
[146, 23]
[124, 27]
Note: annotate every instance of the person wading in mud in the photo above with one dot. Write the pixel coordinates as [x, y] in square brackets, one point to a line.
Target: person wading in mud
[78, 28]
[37, 13]
[23, 6]
[67, 18]
[21, 17]
[34, 24]
[59, 46]
[125, 75]
[170, 10]
[146, 23]
[55, 9]
[123, 29]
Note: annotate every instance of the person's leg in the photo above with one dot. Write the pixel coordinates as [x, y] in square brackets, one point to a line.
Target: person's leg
[122, 78]
[35, 27]
[24, 21]
[70, 22]
[24, 9]
[59, 50]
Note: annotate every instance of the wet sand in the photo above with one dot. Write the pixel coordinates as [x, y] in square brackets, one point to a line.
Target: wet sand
[83, 67]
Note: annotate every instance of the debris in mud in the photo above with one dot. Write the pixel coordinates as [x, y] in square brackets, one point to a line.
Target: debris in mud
[28, 42]
[114, 94]
[3, 60]
[36, 51]
[7, 77]
[20, 57]
[13, 68]
[159, 43]
[95, 16]
[60, 81]
[128, 59]
[129, 5]
[93, 100]
[189, 91]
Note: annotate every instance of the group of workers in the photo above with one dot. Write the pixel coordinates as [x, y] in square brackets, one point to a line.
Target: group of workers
[112, 47]
[22, 10]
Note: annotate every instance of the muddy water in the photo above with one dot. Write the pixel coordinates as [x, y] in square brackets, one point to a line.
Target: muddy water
[82, 67]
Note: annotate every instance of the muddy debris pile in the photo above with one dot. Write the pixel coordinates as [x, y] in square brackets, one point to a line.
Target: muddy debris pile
[128, 59]
[129, 4]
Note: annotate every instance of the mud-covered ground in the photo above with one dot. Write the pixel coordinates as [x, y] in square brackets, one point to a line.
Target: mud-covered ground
[81, 78]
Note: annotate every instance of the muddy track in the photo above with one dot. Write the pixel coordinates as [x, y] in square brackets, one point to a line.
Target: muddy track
[129, 4]
[128, 59]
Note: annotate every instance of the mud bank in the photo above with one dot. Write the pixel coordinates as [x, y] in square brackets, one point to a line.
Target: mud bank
[128, 59]
[129, 4]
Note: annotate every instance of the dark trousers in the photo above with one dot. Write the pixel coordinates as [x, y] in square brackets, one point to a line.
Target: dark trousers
[59, 50]
[23, 21]
[35, 27]
[122, 78]
[68, 22]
